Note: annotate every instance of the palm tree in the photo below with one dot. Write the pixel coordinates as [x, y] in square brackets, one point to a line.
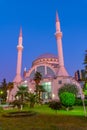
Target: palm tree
[32, 98]
[37, 79]
[22, 93]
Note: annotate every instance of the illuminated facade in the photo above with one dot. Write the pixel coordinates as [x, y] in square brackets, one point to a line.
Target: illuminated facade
[48, 66]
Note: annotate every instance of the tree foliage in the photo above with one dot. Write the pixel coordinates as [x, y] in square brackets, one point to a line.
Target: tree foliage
[10, 86]
[85, 60]
[37, 77]
[32, 98]
[85, 80]
[67, 99]
[71, 88]
[39, 88]
[22, 93]
[3, 90]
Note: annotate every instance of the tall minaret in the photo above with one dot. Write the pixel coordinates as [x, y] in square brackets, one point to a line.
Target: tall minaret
[18, 77]
[61, 71]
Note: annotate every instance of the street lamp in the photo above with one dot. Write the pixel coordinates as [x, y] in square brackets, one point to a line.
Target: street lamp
[1, 92]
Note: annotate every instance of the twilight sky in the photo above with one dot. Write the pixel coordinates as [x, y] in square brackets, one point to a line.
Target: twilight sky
[37, 18]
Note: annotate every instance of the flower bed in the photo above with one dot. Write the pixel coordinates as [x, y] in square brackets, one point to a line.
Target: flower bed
[19, 114]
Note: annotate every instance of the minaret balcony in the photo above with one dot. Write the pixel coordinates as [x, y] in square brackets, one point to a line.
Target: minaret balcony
[19, 47]
[58, 35]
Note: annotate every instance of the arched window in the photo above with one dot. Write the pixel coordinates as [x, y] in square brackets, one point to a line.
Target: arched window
[32, 74]
[41, 69]
[50, 72]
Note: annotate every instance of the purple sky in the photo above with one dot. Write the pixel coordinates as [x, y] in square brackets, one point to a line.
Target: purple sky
[37, 19]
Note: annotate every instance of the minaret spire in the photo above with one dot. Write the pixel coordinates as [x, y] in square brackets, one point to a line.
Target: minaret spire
[58, 29]
[18, 77]
[20, 35]
[57, 18]
[62, 71]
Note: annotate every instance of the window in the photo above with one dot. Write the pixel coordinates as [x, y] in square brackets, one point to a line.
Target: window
[60, 82]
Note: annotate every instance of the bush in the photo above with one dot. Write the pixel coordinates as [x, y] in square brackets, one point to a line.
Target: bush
[71, 88]
[67, 99]
[56, 105]
[78, 102]
[17, 103]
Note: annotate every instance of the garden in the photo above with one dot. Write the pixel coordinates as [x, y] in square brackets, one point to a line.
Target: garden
[28, 112]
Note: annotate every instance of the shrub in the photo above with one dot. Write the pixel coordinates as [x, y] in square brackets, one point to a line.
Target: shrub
[67, 99]
[56, 105]
[79, 102]
[17, 103]
[71, 88]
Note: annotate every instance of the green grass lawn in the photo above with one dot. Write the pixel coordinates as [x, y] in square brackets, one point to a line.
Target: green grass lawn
[46, 119]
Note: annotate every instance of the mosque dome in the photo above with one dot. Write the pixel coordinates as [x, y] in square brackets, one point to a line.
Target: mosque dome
[46, 58]
[47, 55]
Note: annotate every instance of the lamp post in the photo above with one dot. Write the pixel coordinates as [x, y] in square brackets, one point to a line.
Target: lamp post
[82, 97]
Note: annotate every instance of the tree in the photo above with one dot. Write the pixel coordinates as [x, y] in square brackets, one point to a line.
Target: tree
[10, 86]
[72, 88]
[67, 99]
[85, 80]
[85, 60]
[3, 89]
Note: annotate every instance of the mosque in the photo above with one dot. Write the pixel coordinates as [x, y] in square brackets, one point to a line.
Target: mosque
[51, 67]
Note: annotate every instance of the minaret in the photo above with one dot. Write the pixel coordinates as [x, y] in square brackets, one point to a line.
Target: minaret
[18, 77]
[61, 71]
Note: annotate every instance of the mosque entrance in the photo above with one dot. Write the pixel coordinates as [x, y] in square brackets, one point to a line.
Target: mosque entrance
[47, 95]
